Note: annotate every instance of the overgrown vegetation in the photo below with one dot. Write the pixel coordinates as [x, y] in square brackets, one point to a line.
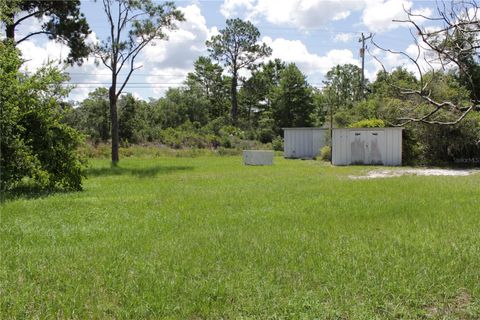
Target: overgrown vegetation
[276, 96]
[424, 143]
[36, 147]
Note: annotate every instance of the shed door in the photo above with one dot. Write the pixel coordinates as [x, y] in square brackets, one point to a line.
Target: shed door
[357, 147]
[375, 149]
[366, 147]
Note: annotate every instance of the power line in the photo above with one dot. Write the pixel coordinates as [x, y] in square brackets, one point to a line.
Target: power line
[139, 83]
[133, 74]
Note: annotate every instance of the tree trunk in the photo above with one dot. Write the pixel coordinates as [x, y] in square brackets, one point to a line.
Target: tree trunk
[10, 28]
[234, 111]
[114, 119]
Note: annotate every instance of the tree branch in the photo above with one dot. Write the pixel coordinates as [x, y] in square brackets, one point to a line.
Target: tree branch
[450, 44]
[16, 23]
[132, 69]
[33, 34]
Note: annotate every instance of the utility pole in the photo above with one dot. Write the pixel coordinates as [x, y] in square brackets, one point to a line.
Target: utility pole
[362, 55]
[331, 126]
[328, 108]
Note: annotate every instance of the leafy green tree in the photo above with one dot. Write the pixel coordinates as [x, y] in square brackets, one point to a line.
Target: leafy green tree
[237, 48]
[293, 103]
[65, 23]
[207, 77]
[133, 25]
[129, 121]
[344, 85]
[34, 142]
[321, 113]
[181, 105]
[391, 84]
[92, 116]
[15, 154]
[256, 92]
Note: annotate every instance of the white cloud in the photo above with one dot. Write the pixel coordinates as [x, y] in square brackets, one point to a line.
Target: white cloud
[36, 56]
[378, 15]
[343, 37]
[185, 44]
[164, 78]
[302, 14]
[232, 8]
[86, 77]
[175, 58]
[341, 15]
[313, 65]
[167, 62]
[425, 59]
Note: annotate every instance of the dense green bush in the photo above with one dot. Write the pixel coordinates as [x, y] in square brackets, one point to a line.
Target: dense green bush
[368, 123]
[326, 153]
[412, 148]
[450, 144]
[277, 144]
[35, 144]
[266, 132]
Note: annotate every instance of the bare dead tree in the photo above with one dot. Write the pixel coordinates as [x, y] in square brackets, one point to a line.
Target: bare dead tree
[451, 43]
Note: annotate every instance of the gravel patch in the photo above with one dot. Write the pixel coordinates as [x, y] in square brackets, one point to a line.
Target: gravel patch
[392, 173]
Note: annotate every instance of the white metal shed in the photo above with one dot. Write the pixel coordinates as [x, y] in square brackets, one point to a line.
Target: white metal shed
[303, 143]
[379, 146]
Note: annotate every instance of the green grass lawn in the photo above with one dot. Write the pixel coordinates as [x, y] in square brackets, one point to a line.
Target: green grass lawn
[208, 238]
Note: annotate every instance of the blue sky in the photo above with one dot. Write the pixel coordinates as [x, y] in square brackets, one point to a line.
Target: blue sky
[314, 34]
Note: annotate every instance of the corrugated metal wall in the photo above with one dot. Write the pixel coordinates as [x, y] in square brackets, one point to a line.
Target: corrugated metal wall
[304, 143]
[381, 146]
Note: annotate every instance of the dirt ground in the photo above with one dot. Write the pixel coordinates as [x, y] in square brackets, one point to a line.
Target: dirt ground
[392, 173]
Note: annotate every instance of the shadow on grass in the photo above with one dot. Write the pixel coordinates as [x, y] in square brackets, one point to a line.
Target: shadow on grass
[29, 192]
[147, 172]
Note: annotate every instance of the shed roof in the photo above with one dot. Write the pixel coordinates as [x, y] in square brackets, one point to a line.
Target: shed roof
[370, 129]
[305, 128]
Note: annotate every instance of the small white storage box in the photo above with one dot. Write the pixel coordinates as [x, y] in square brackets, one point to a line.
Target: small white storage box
[258, 157]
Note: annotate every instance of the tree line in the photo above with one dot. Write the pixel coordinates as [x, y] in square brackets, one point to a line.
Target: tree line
[236, 93]
[276, 95]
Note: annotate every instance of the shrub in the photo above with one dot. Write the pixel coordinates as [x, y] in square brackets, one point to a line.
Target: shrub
[231, 131]
[277, 144]
[411, 148]
[266, 135]
[326, 153]
[215, 125]
[225, 142]
[342, 118]
[35, 144]
[448, 144]
[368, 123]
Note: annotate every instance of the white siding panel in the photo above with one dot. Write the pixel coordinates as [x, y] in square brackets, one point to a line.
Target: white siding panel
[319, 140]
[390, 144]
[389, 147]
[340, 147]
[347, 155]
[258, 157]
[303, 142]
